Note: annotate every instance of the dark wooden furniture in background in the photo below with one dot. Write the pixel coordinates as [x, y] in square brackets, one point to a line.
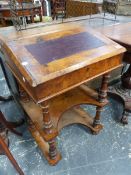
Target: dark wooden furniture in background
[4, 143]
[51, 64]
[80, 8]
[58, 9]
[6, 126]
[28, 11]
[72, 8]
[121, 33]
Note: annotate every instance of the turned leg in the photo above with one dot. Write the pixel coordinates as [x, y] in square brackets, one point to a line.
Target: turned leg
[48, 129]
[126, 79]
[102, 98]
[52, 149]
[126, 84]
[97, 117]
[125, 116]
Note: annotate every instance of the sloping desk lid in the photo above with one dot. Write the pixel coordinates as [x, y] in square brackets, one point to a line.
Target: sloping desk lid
[44, 53]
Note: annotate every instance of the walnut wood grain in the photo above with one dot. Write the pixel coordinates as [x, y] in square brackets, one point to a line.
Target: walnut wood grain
[54, 87]
[42, 92]
[35, 73]
[58, 106]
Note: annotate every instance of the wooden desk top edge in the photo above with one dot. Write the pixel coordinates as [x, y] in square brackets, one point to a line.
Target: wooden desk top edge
[118, 32]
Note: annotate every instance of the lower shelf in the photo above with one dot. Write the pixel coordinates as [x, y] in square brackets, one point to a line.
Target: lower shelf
[64, 110]
[63, 103]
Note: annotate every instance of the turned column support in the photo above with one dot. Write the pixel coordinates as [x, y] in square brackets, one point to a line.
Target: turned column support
[126, 79]
[97, 116]
[126, 85]
[102, 98]
[47, 123]
[52, 149]
[49, 131]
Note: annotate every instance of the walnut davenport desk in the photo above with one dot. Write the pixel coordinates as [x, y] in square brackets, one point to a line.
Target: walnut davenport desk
[51, 65]
[121, 33]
